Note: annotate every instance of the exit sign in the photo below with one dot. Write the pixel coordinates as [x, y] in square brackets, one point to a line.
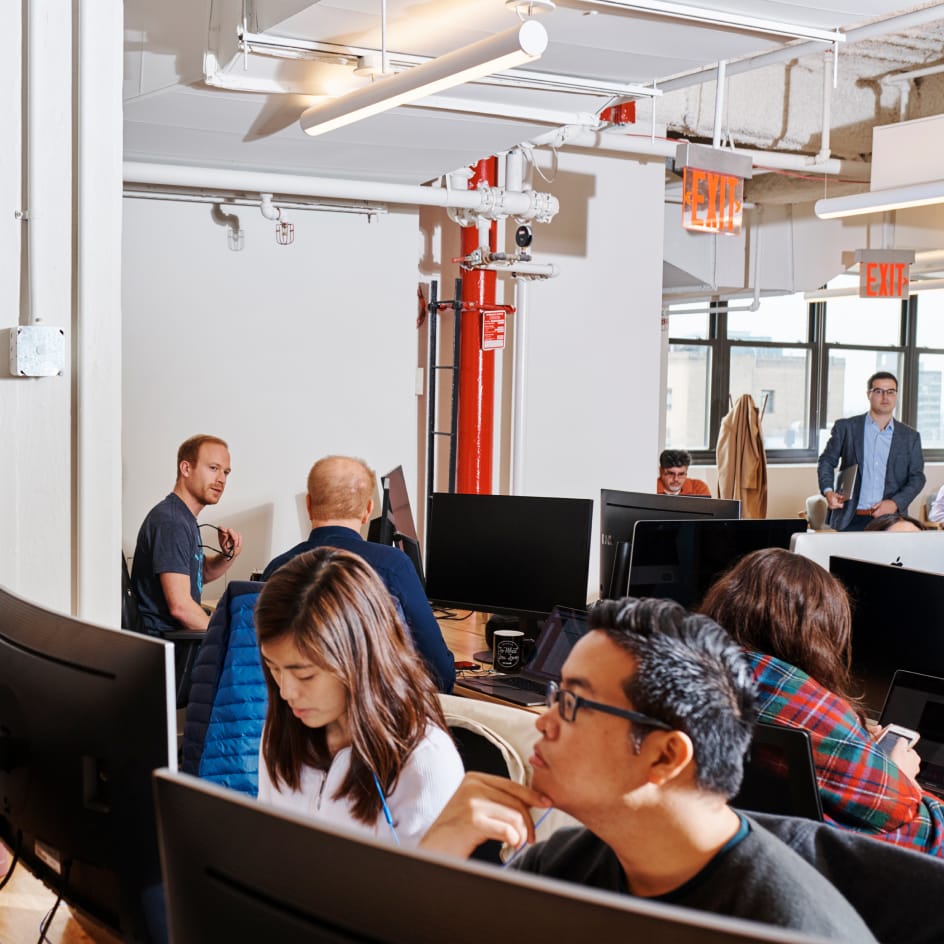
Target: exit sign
[712, 187]
[884, 273]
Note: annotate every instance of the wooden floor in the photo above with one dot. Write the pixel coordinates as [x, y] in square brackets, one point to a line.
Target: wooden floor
[24, 904]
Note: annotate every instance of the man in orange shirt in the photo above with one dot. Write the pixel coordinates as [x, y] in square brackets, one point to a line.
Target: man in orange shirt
[673, 475]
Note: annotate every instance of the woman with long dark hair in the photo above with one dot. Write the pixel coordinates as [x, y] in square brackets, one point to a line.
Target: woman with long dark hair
[354, 732]
[794, 620]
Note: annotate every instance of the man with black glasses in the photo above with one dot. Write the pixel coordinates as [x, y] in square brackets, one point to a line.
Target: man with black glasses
[643, 742]
[888, 456]
[170, 568]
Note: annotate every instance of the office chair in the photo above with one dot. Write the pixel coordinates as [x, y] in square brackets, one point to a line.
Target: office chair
[779, 774]
[186, 642]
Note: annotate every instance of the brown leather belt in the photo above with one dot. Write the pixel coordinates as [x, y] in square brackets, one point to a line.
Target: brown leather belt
[864, 511]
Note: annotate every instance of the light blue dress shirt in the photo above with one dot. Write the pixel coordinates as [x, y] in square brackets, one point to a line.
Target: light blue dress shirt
[876, 445]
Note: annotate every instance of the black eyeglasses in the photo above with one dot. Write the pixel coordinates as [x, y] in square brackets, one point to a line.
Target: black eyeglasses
[568, 705]
[882, 392]
[209, 547]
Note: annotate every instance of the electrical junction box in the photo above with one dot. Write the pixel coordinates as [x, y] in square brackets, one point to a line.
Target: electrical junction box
[37, 351]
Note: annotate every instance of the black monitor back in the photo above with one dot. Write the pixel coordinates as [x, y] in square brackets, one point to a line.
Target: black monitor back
[86, 714]
[236, 871]
[779, 774]
[395, 524]
[896, 623]
[682, 559]
[619, 512]
[508, 553]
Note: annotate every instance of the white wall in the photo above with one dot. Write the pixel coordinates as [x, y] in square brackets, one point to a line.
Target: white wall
[290, 353]
[287, 352]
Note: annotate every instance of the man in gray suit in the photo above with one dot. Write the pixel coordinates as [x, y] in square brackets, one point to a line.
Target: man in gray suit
[888, 454]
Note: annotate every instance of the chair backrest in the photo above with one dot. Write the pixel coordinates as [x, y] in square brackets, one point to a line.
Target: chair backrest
[130, 614]
[779, 774]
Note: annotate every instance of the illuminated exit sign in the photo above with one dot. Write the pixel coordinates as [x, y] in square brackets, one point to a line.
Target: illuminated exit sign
[884, 273]
[712, 188]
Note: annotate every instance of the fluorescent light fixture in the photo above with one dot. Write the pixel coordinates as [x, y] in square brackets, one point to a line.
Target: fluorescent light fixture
[514, 47]
[881, 201]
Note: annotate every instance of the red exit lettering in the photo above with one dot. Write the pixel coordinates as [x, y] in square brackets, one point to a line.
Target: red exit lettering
[886, 280]
[711, 202]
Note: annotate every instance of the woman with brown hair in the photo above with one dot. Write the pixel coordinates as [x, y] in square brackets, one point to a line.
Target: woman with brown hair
[794, 621]
[354, 732]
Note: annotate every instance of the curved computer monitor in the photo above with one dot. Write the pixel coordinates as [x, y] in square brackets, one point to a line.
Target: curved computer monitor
[619, 512]
[235, 870]
[514, 554]
[86, 714]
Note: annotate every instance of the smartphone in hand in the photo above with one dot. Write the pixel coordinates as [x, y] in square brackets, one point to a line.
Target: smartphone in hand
[892, 733]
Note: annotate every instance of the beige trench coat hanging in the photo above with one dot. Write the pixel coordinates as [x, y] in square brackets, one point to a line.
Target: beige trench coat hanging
[742, 463]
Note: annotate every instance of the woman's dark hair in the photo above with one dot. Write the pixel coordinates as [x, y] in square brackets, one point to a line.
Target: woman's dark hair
[884, 522]
[780, 603]
[340, 615]
[690, 674]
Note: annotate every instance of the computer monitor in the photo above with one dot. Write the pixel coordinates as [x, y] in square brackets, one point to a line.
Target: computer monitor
[916, 550]
[619, 512]
[235, 870]
[682, 559]
[511, 554]
[896, 618]
[86, 714]
[395, 525]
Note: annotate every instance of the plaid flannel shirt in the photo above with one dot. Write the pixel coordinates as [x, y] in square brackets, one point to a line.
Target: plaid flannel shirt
[861, 789]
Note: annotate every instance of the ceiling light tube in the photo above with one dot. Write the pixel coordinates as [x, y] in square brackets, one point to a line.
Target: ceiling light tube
[514, 47]
[880, 201]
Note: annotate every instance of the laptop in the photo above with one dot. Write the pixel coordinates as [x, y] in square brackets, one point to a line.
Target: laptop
[917, 702]
[558, 635]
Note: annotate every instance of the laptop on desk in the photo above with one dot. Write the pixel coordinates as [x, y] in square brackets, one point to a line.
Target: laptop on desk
[917, 701]
[558, 635]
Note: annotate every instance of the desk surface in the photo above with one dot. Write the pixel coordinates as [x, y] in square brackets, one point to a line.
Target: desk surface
[465, 636]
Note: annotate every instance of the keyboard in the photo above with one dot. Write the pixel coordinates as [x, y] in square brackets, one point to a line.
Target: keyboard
[522, 684]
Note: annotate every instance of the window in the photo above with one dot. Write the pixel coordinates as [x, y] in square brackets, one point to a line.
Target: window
[809, 362]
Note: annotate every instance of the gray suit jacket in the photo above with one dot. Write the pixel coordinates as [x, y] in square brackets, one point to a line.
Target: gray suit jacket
[904, 474]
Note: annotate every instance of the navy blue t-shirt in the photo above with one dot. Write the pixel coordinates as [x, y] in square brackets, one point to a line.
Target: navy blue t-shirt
[168, 543]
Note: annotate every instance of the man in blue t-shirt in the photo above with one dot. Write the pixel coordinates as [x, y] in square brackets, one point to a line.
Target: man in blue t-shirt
[170, 568]
[340, 502]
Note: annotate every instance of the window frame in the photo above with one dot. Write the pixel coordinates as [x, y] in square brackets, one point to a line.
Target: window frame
[720, 349]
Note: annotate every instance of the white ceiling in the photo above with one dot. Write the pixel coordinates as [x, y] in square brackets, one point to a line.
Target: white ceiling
[173, 115]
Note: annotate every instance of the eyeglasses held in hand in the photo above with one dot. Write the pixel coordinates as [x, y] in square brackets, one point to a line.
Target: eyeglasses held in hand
[209, 547]
[568, 704]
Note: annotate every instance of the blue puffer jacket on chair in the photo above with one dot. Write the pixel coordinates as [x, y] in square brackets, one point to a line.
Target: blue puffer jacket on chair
[227, 706]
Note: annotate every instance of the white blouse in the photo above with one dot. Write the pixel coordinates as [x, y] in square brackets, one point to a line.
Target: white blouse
[428, 779]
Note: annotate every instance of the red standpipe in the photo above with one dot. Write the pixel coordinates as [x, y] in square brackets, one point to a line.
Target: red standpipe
[476, 367]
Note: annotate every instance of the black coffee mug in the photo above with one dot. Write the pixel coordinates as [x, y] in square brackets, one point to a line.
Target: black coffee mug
[510, 650]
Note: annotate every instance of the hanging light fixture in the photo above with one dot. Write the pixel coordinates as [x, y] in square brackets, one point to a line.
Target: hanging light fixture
[514, 47]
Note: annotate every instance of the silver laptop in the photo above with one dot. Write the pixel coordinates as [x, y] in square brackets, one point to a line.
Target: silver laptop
[917, 702]
[557, 637]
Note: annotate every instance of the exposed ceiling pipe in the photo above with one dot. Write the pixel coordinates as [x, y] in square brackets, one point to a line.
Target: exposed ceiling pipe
[490, 202]
[719, 104]
[612, 139]
[904, 80]
[892, 24]
[824, 143]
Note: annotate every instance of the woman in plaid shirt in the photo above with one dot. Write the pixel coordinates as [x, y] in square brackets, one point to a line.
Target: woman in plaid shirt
[794, 621]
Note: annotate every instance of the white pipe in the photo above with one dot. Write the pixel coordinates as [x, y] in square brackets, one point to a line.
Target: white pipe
[514, 170]
[892, 24]
[719, 104]
[489, 202]
[519, 387]
[546, 270]
[824, 143]
[613, 139]
[49, 194]
[192, 196]
[269, 211]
